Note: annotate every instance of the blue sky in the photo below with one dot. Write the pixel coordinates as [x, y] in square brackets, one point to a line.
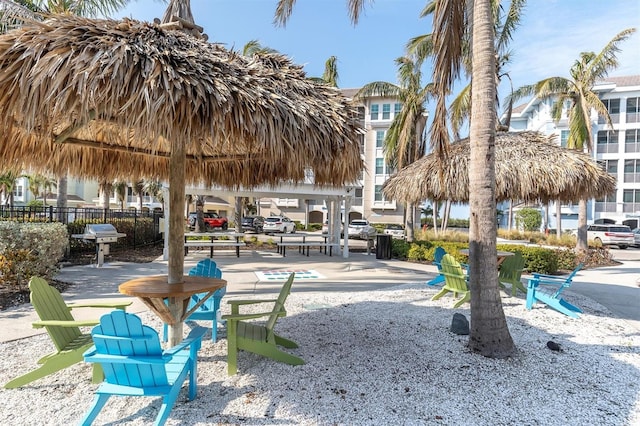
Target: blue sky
[552, 34]
[549, 40]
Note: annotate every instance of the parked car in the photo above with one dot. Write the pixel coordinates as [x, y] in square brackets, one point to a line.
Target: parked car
[636, 237]
[278, 224]
[211, 221]
[358, 228]
[607, 235]
[395, 230]
[253, 223]
[325, 228]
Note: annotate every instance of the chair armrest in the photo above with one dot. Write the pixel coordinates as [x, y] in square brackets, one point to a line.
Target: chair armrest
[237, 317]
[554, 277]
[195, 336]
[112, 305]
[250, 302]
[62, 323]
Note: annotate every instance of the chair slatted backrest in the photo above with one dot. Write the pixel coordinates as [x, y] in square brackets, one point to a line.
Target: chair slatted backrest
[207, 268]
[568, 281]
[278, 308]
[49, 305]
[512, 267]
[438, 254]
[454, 275]
[120, 333]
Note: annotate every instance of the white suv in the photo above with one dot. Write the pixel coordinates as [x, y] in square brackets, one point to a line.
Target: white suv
[606, 235]
[278, 224]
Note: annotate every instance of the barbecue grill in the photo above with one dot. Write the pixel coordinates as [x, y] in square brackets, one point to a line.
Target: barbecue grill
[102, 234]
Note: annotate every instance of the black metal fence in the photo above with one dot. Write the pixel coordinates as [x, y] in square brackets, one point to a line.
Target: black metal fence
[142, 227]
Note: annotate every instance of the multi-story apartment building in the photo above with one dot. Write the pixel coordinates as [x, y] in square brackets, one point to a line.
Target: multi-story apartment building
[616, 147]
[368, 202]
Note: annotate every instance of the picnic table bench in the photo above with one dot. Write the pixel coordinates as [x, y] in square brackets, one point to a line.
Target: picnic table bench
[304, 247]
[214, 241]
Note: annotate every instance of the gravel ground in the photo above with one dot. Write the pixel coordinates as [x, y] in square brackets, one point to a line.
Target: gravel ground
[375, 358]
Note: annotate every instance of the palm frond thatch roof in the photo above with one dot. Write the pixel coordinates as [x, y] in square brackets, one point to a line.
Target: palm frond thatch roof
[529, 167]
[107, 98]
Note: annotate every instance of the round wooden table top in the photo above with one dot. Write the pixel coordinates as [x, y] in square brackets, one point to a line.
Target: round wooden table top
[157, 286]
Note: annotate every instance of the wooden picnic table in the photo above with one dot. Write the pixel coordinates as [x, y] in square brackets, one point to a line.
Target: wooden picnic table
[214, 241]
[502, 255]
[155, 291]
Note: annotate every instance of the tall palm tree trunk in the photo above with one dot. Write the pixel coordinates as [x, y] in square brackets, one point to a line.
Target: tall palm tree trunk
[558, 219]
[409, 221]
[489, 334]
[582, 244]
[61, 201]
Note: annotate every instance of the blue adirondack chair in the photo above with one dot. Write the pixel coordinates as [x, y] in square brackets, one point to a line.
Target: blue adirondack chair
[135, 365]
[536, 291]
[437, 259]
[209, 310]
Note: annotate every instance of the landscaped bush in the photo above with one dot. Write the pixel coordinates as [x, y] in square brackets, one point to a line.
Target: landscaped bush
[28, 249]
[536, 259]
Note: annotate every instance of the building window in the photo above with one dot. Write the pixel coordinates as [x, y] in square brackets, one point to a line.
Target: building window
[379, 166]
[397, 108]
[632, 140]
[633, 110]
[357, 199]
[631, 200]
[373, 113]
[386, 111]
[378, 197]
[611, 166]
[361, 113]
[632, 171]
[564, 138]
[607, 141]
[613, 107]
[380, 138]
[17, 191]
[606, 204]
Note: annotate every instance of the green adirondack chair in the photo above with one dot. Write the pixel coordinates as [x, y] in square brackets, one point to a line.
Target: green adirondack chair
[63, 329]
[511, 272]
[257, 338]
[455, 280]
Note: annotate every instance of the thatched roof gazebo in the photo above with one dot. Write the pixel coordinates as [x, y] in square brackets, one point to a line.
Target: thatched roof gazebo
[126, 99]
[529, 167]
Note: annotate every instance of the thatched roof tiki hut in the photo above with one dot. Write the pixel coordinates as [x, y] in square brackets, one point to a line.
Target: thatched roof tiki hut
[129, 100]
[529, 167]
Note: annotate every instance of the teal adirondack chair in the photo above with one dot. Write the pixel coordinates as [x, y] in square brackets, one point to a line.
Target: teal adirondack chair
[257, 338]
[210, 309]
[134, 363]
[455, 281]
[511, 273]
[438, 253]
[63, 329]
[548, 289]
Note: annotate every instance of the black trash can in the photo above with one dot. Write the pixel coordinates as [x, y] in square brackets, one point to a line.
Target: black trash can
[383, 246]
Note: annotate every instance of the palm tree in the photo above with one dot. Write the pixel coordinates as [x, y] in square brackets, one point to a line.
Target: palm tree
[138, 189]
[154, 189]
[459, 110]
[489, 334]
[577, 92]
[405, 140]
[120, 189]
[7, 186]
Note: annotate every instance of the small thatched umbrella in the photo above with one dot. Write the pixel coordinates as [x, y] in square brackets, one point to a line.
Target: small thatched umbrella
[128, 99]
[529, 167]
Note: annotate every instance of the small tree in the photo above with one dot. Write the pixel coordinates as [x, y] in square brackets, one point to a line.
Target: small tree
[529, 219]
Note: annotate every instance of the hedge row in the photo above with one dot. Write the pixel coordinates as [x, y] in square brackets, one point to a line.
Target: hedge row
[537, 259]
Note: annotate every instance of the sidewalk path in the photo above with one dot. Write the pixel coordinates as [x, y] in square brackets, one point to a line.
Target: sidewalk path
[614, 287]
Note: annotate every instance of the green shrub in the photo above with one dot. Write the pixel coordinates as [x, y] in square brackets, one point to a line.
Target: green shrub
[399, 248]
[28, 249]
